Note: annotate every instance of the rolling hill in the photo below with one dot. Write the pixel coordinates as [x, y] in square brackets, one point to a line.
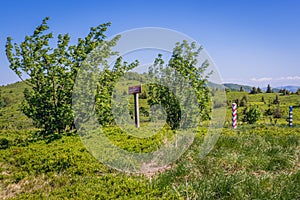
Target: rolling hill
[236, 87]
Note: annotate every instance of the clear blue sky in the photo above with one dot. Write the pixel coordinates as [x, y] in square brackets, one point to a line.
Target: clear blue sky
[252, 42]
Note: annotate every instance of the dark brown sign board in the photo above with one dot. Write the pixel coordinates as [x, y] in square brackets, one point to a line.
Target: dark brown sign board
[135, 89]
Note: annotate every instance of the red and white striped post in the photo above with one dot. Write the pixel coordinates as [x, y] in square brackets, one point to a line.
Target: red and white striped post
[234, 115]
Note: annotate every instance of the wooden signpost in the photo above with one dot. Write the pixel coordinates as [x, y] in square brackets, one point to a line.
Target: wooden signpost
[135, 90]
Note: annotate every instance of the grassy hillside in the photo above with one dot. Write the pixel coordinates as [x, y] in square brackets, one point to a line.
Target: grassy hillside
[11, 117]
[236, 87]
[258, 161]
[264, 101]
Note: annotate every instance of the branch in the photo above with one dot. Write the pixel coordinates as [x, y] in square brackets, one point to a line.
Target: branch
[25, 81]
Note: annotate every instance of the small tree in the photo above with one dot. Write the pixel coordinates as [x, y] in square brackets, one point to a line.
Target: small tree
[107, 80]
[228, 102]
[284, 92]
[269, 89]
[181, 67]
[277, 113]
[237, 101]
[244, 101]
[253, 91]
[241, 89]
[259, 90]
[276, 100]
[52, 72]
[251, 115]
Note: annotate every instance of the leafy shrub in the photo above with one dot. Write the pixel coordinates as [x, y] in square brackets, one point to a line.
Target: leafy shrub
[4, 102]
[4, 143]
[253, 91]
[269, 112]
[183, 62]
[143, 96]
[252, 115]
[144, 111]
[227, 90]
[276, 100]
[243, 101]
[277, 113]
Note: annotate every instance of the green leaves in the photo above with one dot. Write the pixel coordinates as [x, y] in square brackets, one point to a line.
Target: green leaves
[52, 72]
[252, 115]
[177, 83]
[107, 81]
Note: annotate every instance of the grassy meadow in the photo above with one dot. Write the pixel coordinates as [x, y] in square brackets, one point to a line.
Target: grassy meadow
[254, 161]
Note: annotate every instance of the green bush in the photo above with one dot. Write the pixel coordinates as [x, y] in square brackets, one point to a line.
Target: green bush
[277, 113]
[4, 143]
[252, 115]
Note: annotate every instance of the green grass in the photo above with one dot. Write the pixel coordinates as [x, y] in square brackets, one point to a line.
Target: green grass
[259, 161]
[244, 164]
[256, 99]
[10, 115]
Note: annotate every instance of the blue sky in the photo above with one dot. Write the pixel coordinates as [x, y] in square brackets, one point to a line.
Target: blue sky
[252, 42]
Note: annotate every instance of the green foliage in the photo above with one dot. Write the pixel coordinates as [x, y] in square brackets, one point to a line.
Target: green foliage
[2, 103]
[107, 81]
[167, 87]
[237, 87]
[269, 89]
[227, 90]
[277, 113]
[144, 111]
[259, 90]
[251, 115]
[4, 100]
[276, 100]
[52, 73]
[10, 115]
[258, 161]
[253, 162]
[253, 91]
[243, 101]
[269, 111]
[4, 143]
[143, 95]
[284, 92]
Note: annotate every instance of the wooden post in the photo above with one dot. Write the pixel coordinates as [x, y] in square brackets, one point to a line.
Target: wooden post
[135, 90]
[136, 110]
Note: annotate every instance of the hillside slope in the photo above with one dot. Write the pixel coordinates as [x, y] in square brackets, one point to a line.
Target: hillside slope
[252, 162]
[11, 97]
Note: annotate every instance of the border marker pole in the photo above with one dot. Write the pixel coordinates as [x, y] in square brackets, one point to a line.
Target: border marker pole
[234, 115]
[291, 116]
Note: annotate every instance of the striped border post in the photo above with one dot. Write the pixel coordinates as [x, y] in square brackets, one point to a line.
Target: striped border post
[234, 115]
[291, 116]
